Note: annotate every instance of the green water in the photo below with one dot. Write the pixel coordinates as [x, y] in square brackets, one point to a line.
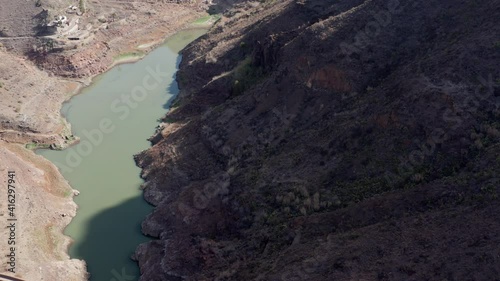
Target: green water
[114, 117]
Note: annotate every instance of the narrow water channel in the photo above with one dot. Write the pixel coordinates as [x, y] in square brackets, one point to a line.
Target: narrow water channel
[114, 117]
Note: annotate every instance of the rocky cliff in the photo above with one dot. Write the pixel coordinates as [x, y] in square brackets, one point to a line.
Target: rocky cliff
[331, 140]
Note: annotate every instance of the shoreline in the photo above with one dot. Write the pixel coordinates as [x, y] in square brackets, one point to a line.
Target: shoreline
[46, 242]
[86, 82]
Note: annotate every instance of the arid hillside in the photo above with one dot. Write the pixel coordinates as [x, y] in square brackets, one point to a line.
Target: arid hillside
[42, 40]
[31, 100]
[331, 140]
[82, 38]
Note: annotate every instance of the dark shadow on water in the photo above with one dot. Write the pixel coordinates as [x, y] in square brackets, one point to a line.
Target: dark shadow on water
[173, 88]
[107, 244]
[109, 235]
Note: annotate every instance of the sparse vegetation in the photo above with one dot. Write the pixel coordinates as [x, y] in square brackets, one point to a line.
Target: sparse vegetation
[168, 120]
[81, 5]
[203, 19]
[245, 76]
[306, 163]
[175, 103]
[129, 55]
[34, 146]
[46, 45]
[207, 19]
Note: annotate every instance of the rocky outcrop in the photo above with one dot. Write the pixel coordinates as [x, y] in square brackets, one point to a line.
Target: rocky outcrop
[86, 63]
[327, 140]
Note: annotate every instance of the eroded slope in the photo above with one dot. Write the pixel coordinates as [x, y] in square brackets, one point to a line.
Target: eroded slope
[321, 140]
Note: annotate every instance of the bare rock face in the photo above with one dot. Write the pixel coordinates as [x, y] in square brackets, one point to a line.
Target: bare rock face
[327, 140]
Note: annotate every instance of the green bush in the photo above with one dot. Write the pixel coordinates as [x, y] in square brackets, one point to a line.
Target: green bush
[245, 76]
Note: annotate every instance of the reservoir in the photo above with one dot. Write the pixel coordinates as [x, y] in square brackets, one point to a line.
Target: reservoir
[113, 119]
